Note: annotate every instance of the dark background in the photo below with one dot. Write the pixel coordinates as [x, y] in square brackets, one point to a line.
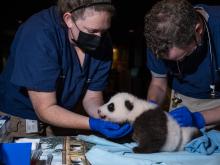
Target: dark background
[127, 34]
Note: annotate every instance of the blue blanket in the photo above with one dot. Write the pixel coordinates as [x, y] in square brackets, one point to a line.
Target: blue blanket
[206, 144]
[109, 153]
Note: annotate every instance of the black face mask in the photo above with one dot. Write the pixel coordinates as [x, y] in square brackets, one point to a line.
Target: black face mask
[87, 42]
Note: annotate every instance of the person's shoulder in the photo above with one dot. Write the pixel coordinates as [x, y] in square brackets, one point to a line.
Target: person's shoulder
[45, 22]
[211, 10]
[149, 51]
[44, 18]
[42, 29]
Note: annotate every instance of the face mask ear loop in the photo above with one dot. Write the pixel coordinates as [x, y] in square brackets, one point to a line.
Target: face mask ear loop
[212, 59]
[75, 24]
[74, 40]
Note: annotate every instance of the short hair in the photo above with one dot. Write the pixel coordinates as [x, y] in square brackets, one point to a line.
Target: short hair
[70, 5]
[170, 23]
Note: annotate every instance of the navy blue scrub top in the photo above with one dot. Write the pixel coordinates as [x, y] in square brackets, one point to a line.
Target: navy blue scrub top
[195, 78]
[42, 59]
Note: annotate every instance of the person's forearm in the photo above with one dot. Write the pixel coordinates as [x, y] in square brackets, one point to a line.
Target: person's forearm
[212, 116]
[91, 107]
[156, 94]
[46, 108]
[60, 117]
[91, 103]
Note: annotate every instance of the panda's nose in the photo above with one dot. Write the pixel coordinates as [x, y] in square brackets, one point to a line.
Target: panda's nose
[102, 116]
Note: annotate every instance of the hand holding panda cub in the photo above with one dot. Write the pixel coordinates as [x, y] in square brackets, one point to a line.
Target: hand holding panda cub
[154, 130]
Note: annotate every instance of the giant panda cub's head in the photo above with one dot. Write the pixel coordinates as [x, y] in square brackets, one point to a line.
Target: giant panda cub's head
[123, 107]
[117, 108]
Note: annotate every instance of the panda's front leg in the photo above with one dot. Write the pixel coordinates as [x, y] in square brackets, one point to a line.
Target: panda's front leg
[141, 149]
[138, 149]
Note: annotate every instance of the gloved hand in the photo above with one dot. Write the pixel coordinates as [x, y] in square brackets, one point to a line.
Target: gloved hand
[109, 129]
[186, 118]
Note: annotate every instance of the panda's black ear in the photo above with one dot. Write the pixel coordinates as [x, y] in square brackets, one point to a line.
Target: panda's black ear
[129, 105]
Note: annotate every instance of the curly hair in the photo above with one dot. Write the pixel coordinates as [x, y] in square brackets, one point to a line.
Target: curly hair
[170, 23]
[70, 5]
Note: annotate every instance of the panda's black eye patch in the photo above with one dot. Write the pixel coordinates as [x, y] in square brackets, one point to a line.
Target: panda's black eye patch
[111, 107]
[129, 105]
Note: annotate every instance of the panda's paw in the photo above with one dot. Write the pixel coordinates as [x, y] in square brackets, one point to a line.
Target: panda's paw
[144, 149]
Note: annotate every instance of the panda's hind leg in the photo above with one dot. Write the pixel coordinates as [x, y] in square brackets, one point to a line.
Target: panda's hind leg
[146, 146]
[150, 131]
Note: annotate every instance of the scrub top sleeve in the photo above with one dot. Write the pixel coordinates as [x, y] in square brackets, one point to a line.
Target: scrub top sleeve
[155, 65]
[36, 60]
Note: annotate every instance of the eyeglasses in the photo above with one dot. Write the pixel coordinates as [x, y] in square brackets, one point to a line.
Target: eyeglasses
[177, 51]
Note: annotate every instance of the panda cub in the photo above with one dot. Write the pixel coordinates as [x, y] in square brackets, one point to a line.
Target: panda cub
[154, 130]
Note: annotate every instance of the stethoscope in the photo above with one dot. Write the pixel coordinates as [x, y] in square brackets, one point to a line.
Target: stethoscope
[213, 66]
[212, 62]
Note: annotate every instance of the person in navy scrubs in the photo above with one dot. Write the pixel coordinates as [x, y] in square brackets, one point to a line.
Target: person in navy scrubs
[184, 54]
[58, 56]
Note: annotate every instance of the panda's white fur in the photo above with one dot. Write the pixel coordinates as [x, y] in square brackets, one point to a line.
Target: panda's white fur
[121, 114]
[177, 136]
[124, 107]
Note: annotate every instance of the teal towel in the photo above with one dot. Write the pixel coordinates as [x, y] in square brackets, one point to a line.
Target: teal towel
[105, 152]
[206, 144]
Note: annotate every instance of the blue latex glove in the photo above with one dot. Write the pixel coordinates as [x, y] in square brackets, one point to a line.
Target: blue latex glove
[109, 129]
[186, 118]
